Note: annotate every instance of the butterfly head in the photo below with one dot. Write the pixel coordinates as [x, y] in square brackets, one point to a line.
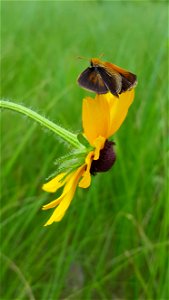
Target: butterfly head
[95, 62]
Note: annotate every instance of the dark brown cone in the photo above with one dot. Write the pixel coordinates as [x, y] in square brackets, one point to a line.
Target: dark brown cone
[106, 160]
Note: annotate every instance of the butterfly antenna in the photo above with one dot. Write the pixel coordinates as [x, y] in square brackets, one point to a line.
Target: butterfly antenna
[101, 55]
[83, 57]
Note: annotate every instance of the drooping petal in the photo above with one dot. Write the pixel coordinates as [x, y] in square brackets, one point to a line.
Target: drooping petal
[98, 144]
[66, 196]
[118, 109]
[86, 176]
[66, 189]
[53, 185]
[53, 203]
[95, 117]
[92, 155]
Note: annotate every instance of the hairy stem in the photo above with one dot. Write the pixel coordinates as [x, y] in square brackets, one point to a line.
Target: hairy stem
[62, 132]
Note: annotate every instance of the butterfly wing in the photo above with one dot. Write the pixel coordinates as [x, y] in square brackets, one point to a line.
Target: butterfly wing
[129, 80]
[91, 80]
[126, 84]
[113, 81]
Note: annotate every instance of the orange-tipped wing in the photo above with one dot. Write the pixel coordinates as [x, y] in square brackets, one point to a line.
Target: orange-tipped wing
[129, 80]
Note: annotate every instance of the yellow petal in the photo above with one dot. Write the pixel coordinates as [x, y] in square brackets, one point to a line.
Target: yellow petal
[65, 191]
[54, 184]
[59, 212]
[98, 144]
[53, 203]
[95, 117]
[104, 115]
[67, 197]
[118, 109]
[86, 176]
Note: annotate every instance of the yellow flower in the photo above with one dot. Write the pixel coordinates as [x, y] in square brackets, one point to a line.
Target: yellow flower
[101, 118]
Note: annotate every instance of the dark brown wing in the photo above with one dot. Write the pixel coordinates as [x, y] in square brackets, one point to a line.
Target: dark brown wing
[128, 84]
[91, 80]
[112, 81]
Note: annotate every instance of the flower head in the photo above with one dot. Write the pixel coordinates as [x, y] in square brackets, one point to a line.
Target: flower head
[101, 118]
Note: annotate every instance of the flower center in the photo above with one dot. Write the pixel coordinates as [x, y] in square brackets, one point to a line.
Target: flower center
[106, 159]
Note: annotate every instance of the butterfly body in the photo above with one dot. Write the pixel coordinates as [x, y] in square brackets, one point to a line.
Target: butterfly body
[102, 77]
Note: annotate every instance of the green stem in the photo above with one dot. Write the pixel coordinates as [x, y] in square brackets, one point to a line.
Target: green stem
[62, 132]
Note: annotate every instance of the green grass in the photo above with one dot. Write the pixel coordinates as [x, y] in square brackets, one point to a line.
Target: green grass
[112, 243]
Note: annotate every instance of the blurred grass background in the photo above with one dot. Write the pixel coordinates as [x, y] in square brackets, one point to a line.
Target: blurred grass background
[112, 243]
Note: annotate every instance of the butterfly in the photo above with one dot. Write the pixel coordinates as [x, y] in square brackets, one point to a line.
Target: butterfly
[102, 77]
